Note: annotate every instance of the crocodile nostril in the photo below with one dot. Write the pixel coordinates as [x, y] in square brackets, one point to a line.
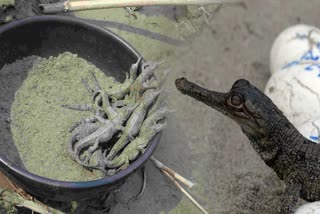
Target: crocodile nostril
[180, 83]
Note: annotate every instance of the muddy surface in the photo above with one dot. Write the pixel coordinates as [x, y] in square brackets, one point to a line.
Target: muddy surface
[20, 9]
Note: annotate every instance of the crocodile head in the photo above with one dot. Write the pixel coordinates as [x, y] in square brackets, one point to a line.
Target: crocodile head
[244, 103]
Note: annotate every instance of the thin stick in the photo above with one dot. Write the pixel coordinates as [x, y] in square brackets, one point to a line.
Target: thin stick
[17, 200]
[185, 192]
[177, 176]
[19, 191]
[102, 4]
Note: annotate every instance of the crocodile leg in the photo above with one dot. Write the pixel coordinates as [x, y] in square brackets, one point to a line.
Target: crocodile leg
[121, 143]
[149, 85]
[86, 161]
[151, 65]
[92, 149]
[98, 164]
[86, 85]
[117, 104]
[79, 133]
[101, 135]
[71, 142]
[147, 71]
[153, 118]
[111, 113]
[95, 82]
[102, 165]
[159, 103]
[290, 198]
[124, 165]
[90, 119]
[154, 82]
[119, 91]
[134, 68]
[84, 107]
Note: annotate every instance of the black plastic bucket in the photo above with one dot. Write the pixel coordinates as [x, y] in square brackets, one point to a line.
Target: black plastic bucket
[49, 36]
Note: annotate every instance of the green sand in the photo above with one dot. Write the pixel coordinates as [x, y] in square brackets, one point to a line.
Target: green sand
[5, 15]
[7, 2]
[152, 49]
[40, 125]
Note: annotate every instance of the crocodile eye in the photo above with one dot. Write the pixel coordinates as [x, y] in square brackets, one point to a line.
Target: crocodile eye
[236, 100]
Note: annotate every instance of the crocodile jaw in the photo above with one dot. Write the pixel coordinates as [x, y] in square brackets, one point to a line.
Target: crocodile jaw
[213, 99]
[217, 101]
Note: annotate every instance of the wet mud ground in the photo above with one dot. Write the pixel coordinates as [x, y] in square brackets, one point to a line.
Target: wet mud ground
[204, 145]
[211, 148]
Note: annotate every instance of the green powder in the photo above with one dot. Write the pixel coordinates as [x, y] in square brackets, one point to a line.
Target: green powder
[40, 125]
[185, 26]
[7, 2]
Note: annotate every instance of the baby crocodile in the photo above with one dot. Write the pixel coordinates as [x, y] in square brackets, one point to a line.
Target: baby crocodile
[295, 159]
[119, 91]
[103, 134]
[150, 127]
[144, 81]
[135, 121]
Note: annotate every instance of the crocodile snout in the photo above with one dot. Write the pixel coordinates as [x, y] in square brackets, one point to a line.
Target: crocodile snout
[183, 85]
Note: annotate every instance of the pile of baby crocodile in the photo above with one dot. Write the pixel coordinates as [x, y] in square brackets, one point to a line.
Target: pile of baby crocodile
[129, 114]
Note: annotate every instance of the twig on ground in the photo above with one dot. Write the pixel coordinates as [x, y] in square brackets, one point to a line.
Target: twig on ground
[185, 192]
[18, 201]
[206, 14]
[101, 4]
[19, 191]
[175, 175]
